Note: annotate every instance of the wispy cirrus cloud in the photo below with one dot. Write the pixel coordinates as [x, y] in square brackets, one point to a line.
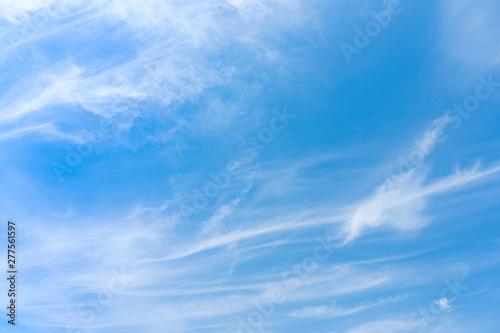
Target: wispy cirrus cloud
[402, 206]
[400, 202]
[470, 31]
[389, 326]
[333, 311]
[170, 47]
[185, 83]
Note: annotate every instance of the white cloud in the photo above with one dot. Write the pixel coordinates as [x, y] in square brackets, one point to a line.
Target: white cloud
[389, 326]
[471, 30]
[443, 303]
[334, 311]
[17, 11]
[175, 44]
[50, 88]
[47, 130]
[401, 206]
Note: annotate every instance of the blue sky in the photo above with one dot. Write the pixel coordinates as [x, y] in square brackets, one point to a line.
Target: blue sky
[252, 165]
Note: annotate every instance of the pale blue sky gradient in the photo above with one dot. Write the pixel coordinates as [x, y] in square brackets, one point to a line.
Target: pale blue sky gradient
[159, 185]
